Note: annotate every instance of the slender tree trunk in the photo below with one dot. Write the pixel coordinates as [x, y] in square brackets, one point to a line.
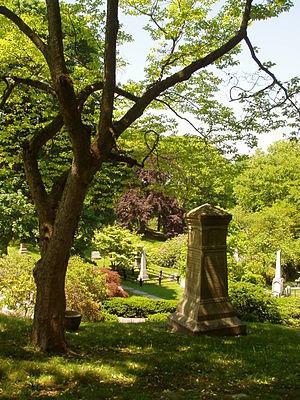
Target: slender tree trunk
[48, 333]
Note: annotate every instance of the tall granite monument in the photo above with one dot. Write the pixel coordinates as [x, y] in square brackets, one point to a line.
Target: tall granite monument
[205, 307]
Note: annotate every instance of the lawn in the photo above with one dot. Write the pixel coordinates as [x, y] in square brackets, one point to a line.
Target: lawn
[168, 289]
[143, 361]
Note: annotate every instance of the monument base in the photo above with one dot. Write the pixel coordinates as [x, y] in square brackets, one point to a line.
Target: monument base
[215, 317]
[144, 278]
[277, 287]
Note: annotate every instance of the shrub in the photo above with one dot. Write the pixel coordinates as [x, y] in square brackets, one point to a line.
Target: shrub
[256, 279]
[17, 283]
[289, 308]
[253, 303]
[119, 244]
[140, 307]
[85, 288]
[160, 317]
[113, 281]
[107, 317]
[173, 254]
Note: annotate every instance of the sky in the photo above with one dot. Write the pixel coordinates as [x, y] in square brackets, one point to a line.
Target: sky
[276, 38]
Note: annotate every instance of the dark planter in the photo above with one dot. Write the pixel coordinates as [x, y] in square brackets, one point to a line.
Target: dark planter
[72, 320]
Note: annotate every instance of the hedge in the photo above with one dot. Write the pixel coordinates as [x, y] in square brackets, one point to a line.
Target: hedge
[253, 303]
[140, 307]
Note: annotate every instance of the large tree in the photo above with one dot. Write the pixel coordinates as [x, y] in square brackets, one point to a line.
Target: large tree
[44, 62]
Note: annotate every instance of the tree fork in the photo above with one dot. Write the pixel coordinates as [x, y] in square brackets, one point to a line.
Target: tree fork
[48, 333]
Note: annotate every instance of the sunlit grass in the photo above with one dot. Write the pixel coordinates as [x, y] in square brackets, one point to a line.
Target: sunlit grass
[144, 361]
[168, 290]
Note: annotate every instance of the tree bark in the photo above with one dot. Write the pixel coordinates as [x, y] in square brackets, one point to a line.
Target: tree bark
[48, 333]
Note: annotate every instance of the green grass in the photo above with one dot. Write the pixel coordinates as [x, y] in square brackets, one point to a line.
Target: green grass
[33, 251]
[143, 361]
[168, 290]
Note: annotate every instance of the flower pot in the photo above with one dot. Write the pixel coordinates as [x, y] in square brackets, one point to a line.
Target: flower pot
[72, 320]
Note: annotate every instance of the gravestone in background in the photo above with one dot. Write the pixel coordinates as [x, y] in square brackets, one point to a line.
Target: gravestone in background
[205, 307]
[277, 283]
[23, 248]
[143, 275]
[95, 255]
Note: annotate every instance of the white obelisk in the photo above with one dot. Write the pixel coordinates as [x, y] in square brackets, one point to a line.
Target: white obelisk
[277, 283]
[143, 272]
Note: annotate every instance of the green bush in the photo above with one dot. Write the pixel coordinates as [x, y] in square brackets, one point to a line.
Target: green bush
[85, 288]
[140, 307]
[107, 317]
[17, 287]
[253, 303]
[172, 254]
[160, 317]
[289, 308]
[119, 244]
[256, 279]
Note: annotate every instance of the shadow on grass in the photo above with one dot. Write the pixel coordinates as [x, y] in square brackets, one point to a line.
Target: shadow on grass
[143, 361]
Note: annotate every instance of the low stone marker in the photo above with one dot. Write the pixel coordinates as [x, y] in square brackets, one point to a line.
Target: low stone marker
[95, 255]
[23, 248]
[205, 307]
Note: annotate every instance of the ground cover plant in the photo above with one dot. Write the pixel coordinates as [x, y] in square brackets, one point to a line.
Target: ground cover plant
[144, 361]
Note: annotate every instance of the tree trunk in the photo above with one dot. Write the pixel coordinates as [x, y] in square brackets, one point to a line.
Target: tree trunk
[48, 326]
[48, 333]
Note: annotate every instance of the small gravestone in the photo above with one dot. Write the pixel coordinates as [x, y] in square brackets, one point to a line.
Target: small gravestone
[23, 248]
[95, 255]
[205, 307]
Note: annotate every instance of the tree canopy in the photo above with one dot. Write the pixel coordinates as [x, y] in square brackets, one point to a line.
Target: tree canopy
[62, 107]
[267, 216]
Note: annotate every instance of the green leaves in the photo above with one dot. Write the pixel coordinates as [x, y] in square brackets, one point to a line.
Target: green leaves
[271, 8]
[17, 283]
[17, 214]
[119, 244]
[266, 217]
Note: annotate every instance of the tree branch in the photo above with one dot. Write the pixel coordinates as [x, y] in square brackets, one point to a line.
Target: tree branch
[57, 62]
[151, 149]
[130, 161]
[57, 189]
[34, 37]
[94, 87]
[35, 183]
[105, 136]
[45, 134]
[7, 91]
[179, 116]
[31, 82]
[266, 70]
[159, 87]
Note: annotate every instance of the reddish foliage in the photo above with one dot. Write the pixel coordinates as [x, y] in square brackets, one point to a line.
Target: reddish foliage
[145, 200]
[113, 281]
[133, 210]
